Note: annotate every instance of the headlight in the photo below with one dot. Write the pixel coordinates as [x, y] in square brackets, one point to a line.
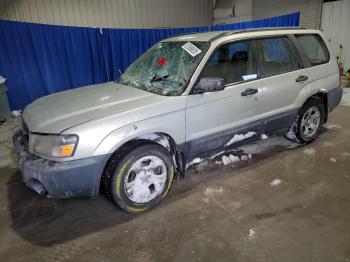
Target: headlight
[53, 145]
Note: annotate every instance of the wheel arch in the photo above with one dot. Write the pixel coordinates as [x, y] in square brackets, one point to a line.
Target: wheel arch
[322, 97]
[158, 138]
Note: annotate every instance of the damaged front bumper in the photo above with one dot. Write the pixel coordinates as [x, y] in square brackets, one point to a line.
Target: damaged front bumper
[77, 178]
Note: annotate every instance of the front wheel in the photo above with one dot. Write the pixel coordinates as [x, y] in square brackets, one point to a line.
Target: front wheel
[141, 179]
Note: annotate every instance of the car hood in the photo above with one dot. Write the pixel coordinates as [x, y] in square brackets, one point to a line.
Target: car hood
[54, 113]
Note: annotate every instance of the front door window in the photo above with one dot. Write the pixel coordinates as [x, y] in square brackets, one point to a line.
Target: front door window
[234, 62]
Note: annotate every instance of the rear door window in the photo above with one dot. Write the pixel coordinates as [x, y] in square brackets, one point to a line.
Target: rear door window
[276, 55]
[234, 62]
[315, 49]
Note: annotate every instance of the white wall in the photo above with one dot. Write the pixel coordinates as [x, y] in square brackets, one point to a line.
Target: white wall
[223, 11]
[335, 24]
[310, 10]
[110, 13]
[245, 10]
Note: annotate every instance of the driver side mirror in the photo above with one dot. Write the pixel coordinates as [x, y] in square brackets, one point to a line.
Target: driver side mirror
[209, 84]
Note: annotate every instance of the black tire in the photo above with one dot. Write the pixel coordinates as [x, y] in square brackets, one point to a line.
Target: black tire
[298, 128]
[118, 167]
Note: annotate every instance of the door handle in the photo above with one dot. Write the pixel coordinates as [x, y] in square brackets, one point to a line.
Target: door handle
[249, 92]
[301, 78]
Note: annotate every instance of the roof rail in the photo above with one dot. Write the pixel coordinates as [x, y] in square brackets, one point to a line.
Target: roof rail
[187, 33]
[256, 29]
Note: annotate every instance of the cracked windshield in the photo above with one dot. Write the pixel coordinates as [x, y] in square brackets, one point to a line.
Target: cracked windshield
[166, 68]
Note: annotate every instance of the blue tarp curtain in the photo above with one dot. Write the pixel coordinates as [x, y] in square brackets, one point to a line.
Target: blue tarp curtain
[38, 59]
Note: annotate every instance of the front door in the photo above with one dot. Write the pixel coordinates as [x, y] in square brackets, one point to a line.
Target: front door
[213, 119]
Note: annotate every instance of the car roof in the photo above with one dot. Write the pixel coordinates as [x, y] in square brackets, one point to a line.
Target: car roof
[206, 36]
[215, 35]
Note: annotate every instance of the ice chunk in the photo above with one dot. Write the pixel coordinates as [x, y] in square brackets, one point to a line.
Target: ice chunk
[226, 160]
[264, 136]
[276, 182]
[292, 130]
[244, 158]
[229, 159]
[233, 158]
[252, 233]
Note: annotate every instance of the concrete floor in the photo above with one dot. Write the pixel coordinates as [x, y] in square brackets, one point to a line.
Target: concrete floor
[217, 213]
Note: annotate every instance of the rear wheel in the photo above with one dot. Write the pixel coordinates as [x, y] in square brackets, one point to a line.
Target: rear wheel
[307, 125]
[141, 179]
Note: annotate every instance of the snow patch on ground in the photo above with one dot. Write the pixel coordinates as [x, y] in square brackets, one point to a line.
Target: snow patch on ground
[206, 200]
[332, 159]
[330, 126]
[263, 137]
[328, 144]
[309, 151]
[346, 97]
[276, 182]
[346, 154]
[240, 137]
[251, 233]
[210, 191]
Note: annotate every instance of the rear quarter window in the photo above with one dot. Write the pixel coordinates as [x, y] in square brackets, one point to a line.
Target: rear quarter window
[314, 47]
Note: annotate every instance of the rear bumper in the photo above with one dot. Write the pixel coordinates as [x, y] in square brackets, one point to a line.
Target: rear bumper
[334, 97]
[78, 178]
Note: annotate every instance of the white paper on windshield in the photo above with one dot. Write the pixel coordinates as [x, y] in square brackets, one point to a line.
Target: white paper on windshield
[249, 77]
[191, 49]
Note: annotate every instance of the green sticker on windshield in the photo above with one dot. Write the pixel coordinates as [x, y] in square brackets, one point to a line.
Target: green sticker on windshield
[191, 49]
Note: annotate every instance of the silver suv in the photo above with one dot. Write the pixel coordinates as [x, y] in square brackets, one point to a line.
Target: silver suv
[188, 96]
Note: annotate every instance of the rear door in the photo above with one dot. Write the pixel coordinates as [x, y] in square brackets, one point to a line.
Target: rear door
[283, 77]
[213, 118]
